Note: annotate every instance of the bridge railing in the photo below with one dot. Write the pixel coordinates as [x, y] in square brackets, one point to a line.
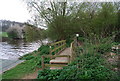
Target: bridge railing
[55, 48]
[73, 49]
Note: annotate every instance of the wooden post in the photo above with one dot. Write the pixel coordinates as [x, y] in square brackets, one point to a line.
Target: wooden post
[50, 50]
[71, 51]
[42, 60]
[68, 59]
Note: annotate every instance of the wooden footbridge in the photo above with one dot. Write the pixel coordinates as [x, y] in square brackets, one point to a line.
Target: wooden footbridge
[59, 55]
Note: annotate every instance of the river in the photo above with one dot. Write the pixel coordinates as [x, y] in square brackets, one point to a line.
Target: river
[16, 48]
[11, 50]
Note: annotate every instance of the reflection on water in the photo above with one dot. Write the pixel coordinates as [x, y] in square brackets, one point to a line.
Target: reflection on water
[15, 48]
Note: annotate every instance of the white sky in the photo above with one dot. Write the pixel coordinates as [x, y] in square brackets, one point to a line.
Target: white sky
[14, 10]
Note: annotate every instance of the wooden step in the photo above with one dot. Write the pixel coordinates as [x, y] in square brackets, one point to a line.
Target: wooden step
[52, 68]
[55, 66]
[58, 61]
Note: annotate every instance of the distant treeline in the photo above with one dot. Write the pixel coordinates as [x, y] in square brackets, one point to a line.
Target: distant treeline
[5, 24]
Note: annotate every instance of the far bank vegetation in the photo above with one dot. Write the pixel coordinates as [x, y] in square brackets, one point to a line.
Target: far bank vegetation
[28, 32]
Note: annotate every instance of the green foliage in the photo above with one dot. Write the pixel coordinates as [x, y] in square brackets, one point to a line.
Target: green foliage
[32, 61]
[65, 19]
[81, 39]
[68, 42]
[3, 34]
[44, 49]
[12, 34]
[117, 38]
[88, 66]
[48, 74]
[27, 57]
[20, 70]
[103, 48]
[33, 33]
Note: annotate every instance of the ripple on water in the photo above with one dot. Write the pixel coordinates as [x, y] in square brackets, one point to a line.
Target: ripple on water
[13, 51]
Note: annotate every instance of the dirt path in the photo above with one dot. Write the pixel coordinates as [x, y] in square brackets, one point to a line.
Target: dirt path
[32, 75]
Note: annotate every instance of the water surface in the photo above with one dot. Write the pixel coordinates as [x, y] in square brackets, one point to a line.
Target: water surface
[15, 48]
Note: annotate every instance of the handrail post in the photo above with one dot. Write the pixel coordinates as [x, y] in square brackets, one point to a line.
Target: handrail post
[68, 59]
[58, 47]
[71, 51]
[50, 50]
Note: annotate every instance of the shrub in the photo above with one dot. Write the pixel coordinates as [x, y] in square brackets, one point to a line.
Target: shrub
[44, 49]
[82, 39]
[89, 66]
[48, 74]
[102, 48]
[12, 34]
[68, 42]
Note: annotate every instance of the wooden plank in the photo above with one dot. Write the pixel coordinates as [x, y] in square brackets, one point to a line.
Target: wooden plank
[72, 51]
[58, 42]
[58, 48]
[69, 59]
[53, 56]
[42, 60]
[55, 65]
[54, 61]
[60, 51]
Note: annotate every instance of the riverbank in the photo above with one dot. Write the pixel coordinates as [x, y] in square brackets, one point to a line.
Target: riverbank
[31, 63]
[7, 64]
[3, 34]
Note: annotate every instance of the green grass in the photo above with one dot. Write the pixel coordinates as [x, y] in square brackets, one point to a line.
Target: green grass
[32, 61]
[28, 66]
[20, 70]
[3, 34]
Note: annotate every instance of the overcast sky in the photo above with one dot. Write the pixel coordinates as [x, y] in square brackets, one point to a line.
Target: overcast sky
[14, 10]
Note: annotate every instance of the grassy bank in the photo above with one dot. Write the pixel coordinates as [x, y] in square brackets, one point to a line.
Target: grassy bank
[32, 61]
[3, 34]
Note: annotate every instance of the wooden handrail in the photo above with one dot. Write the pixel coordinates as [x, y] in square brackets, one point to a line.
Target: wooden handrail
[73, 47]
[58, 42]
[53, 56]
[60, 45]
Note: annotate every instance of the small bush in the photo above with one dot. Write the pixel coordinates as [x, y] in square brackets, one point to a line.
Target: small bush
[102, 48]
[88, 67]
[68, 42]
[82, 39]
[48, 74]
[44, 49]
